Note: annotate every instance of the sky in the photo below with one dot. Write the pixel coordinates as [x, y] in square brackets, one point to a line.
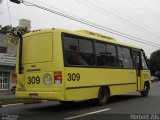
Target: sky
[138, 18]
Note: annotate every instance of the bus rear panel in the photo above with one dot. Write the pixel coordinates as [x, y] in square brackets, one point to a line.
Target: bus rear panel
[41, 76]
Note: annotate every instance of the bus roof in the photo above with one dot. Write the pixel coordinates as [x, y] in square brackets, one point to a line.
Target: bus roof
[83, 33]
[95, 34]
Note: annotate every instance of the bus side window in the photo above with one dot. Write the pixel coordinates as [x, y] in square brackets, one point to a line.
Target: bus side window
[77, 51]
[74, 58]
[100, 54]
[144, 64]
[70, 47]
[111, 55]
[106, 55]
[70, 43]
[86, 50]
[124, 57]
[136, 60]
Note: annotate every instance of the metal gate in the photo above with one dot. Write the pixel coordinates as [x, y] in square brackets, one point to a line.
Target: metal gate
[4, 80]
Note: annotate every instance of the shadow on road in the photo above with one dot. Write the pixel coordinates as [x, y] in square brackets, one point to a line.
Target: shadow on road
[51, 107]
[122, 98]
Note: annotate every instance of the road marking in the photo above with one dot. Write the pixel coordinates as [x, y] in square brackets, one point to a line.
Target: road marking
[90, 113]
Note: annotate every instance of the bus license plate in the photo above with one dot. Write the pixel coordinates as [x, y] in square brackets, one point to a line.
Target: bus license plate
[33, 95]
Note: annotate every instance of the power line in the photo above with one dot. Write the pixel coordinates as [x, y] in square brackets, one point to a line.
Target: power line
[146, 8]
[125, 17]
[104, 10]
[123, 33]
[91, 24]
[87, 23]
[116, 31]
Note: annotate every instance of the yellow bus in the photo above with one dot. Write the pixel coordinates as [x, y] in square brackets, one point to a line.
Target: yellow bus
[65, 66]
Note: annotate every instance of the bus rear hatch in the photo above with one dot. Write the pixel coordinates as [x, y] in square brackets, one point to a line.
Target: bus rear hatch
[37, 48]
[37, 61]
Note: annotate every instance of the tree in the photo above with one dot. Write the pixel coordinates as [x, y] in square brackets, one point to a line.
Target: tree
[9, 29]
[154, 61]
[10, 37]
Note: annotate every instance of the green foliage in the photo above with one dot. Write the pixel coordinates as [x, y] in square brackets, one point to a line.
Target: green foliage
[10, 37]
[9, 29]
[154, 61]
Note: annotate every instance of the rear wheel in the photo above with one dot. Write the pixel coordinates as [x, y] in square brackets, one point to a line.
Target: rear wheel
[102, 96]
[145, 92]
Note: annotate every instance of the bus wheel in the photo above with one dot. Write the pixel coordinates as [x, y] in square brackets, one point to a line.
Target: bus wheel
[102, 96]
[145, 92]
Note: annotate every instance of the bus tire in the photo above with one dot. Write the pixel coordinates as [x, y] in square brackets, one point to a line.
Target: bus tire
[102, 96]
[145, 92]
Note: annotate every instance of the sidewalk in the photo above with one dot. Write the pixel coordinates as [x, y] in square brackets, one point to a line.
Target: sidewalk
[7, 99]
[5, 95]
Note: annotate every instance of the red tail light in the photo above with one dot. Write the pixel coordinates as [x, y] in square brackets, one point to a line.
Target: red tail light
[14, 78]
[57, 77]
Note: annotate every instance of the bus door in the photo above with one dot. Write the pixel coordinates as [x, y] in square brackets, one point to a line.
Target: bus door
[137, 65]
[144, 71]
[143, 74]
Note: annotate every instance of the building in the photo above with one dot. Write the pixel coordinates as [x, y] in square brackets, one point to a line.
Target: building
[8, 48]
[7, 63]
[25, 24]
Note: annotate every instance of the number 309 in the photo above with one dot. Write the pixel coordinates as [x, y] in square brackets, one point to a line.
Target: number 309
[73, 76]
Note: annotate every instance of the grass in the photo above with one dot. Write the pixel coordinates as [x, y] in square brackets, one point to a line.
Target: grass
[18, 100]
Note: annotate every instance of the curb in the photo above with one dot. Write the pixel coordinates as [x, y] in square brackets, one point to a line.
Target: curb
[9, 105]
[42, 101]
[18, 104]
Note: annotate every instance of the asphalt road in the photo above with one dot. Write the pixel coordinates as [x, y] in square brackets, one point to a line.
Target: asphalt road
[122, 107]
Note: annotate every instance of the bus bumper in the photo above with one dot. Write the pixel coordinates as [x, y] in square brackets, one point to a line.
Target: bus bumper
[57, 96]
